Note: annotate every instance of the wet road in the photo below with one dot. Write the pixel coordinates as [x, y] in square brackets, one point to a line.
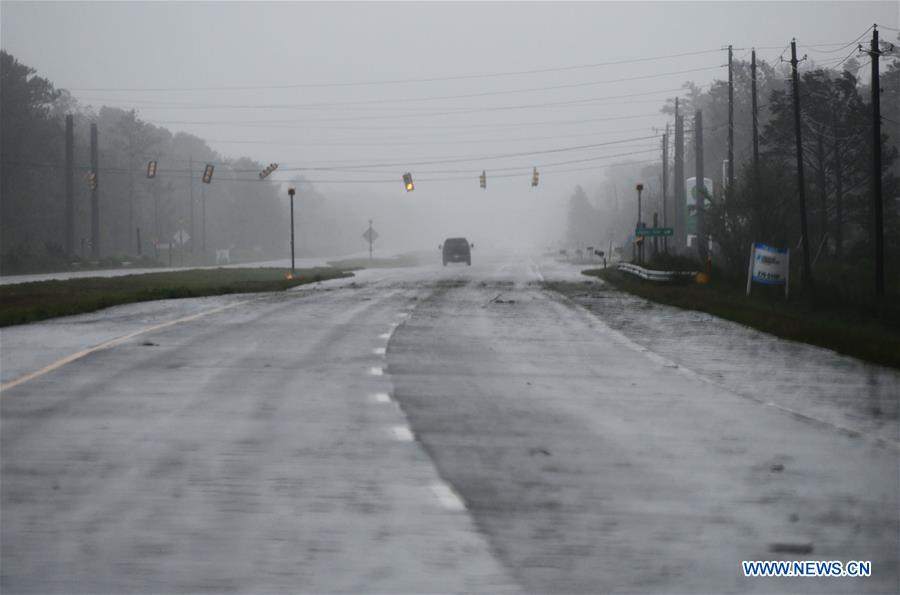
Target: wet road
[430, 430]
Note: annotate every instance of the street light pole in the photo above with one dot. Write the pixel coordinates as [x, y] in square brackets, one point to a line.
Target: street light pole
[639, 239]
[291, 194]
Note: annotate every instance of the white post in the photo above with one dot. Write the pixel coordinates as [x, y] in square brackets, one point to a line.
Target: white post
[787, 272]
[750, 268]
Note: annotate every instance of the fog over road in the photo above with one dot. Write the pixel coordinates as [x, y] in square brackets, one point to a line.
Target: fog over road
[506, 427]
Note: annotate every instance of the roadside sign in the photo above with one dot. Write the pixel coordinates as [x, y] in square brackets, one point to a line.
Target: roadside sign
[769, 266]
[370, 235]
[654, 231]
[181, 237]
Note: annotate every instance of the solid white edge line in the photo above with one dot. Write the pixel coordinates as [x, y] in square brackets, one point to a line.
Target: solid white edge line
[668, 363]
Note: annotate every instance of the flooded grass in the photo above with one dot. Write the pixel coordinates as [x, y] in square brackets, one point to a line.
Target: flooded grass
[29, 302]
[868, 330]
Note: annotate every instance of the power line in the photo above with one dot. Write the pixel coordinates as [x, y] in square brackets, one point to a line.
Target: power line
[298, 123]
[415, 141]
[473, 171]
[834, 51]
[400, 81]
[463, 159]
[185, 174]
[459, 111]
[140, 103]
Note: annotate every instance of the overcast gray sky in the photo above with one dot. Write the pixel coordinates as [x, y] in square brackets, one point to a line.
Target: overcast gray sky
[289, 74]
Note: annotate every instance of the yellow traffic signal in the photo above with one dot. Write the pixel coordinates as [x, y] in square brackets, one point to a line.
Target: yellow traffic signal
[408, 182]
[151, 169]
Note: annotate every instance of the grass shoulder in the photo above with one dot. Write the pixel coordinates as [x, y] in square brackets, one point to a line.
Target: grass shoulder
[868, 330]
[30, 302]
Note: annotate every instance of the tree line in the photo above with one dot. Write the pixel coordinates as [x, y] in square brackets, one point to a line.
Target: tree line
[137, 213]
[836, 130]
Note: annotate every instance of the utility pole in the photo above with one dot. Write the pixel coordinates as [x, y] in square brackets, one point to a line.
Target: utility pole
[822, 182]
[806, 276]
[191, 184]
[291, 192]
[755, 112]
[131, 157]
[730, 181]
[639, 240]
[877, 205]
[838, 188]
[155, 193]
[70, 186]
[665, 183]
[203, 222]
[699, 186]
[680, 203]
[95, 197]
[655, 238]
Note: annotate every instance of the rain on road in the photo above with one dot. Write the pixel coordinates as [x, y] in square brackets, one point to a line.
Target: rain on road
[509, 427]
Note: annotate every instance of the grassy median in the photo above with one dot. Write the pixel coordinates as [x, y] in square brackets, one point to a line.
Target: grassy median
[399, 261]
[866, 329]
[29, 302]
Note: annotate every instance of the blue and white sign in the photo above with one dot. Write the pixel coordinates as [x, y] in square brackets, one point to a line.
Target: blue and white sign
[769, 265]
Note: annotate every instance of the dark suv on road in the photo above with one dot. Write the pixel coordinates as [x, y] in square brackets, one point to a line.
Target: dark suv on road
[457, 250]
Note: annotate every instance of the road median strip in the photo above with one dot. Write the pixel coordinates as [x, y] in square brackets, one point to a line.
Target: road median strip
[41, 300]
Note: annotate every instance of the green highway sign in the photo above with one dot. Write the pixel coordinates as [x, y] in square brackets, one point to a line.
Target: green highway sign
[654, 231]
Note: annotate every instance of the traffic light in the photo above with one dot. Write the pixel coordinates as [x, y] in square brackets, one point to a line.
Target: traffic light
[534, 177]
[151, 169]
[271, 167]
[408, 182]
[92, 180]
[208, 173]
[483, 179]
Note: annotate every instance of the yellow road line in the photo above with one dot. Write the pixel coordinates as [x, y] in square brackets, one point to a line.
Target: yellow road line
[107, 344]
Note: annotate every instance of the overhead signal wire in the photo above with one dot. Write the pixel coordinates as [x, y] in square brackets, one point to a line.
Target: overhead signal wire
[226, 176]
[403, 81]
[462, 96]
[587, 102]
[463, 159]
[296, 123]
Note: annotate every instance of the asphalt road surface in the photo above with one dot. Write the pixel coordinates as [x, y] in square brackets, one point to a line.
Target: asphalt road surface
[494, 428]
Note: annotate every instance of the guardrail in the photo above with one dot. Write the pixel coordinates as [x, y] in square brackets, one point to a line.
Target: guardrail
[659, 276]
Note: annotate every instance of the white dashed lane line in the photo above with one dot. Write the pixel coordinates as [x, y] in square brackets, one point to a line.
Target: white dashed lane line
[447, 497]
[381, 398]
[402, 434]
